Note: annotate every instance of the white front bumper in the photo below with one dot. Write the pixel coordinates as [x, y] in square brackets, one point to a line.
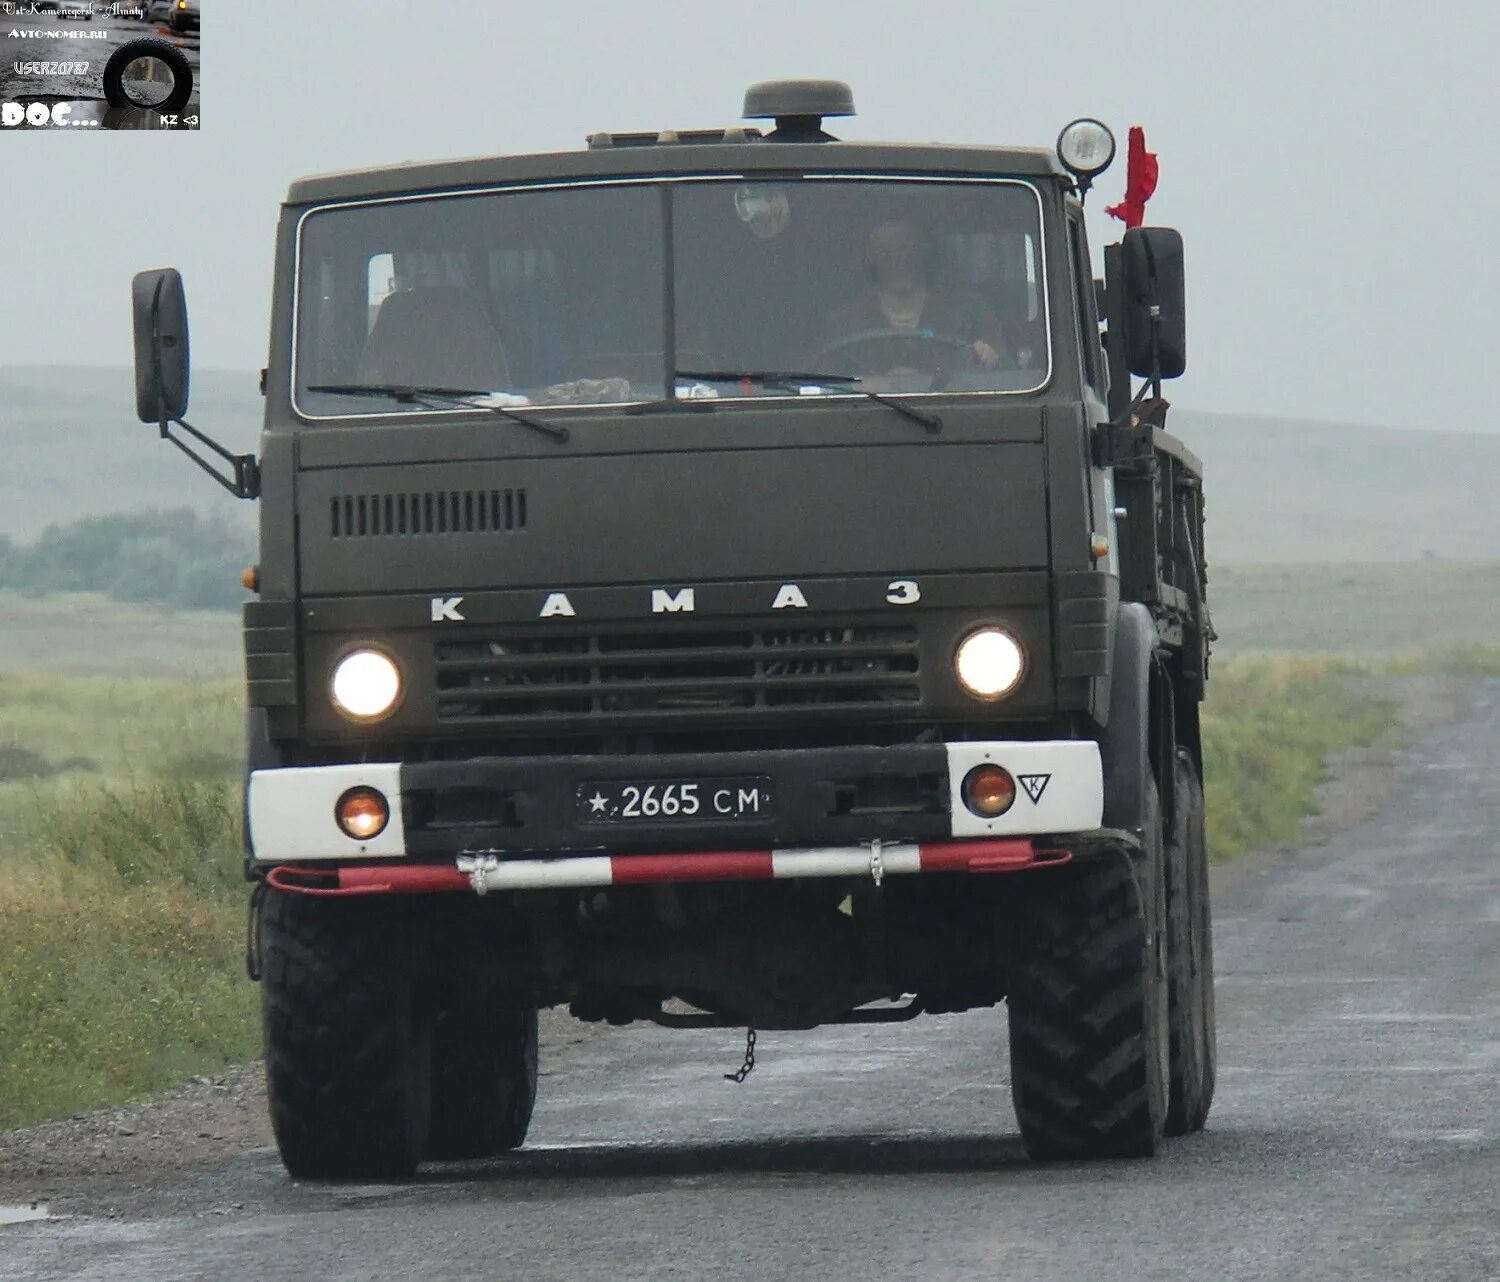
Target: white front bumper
[1059, 789]
[291, 813]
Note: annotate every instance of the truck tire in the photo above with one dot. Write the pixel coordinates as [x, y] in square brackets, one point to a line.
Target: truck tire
[483, 1079]
[1088, 1006]
[1190, 960]
[347, 1059]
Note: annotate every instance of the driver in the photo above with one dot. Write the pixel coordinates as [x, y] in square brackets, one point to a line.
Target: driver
[902, 296]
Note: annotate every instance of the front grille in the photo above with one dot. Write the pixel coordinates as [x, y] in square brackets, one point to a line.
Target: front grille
[674, 677]
[354, 516]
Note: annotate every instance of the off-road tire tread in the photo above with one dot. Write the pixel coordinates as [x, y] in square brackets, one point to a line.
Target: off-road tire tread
[1080, 1064]
[484, 1065]
[1201, 908]
[336, 998]
[1185, 1109]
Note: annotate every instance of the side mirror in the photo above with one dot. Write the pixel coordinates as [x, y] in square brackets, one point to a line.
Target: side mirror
[1153, 315]
[161, 379]
[161, 345]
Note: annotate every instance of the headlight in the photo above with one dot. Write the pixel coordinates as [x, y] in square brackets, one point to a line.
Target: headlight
[989, 663]
[366, 685]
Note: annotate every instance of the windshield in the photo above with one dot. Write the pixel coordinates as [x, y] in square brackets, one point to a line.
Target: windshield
[566, 296]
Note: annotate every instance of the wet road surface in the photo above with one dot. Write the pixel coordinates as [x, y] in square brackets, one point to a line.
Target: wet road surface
[1356, 1132]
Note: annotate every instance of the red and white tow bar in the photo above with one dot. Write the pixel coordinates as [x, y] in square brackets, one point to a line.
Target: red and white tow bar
[485, 871]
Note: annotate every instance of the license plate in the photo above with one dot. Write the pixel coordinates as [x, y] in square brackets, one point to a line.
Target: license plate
[674, 800]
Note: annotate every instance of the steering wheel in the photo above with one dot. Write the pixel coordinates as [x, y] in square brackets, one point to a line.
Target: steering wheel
[882, 349]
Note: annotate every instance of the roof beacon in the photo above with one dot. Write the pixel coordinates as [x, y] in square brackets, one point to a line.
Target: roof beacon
[798, 107]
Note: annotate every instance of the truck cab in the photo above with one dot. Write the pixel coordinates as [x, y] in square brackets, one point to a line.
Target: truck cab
[720, 578]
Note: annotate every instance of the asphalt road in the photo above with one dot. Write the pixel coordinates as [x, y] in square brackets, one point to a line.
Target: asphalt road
[61, 45]
[1356, 1132]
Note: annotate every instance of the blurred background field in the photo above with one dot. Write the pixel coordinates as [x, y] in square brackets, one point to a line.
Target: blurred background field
[122, 903]
[1354, 608]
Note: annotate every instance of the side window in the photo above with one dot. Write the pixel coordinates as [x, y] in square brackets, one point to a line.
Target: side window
[1088, 308]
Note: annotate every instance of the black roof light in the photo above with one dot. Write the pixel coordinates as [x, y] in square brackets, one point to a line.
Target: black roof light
[798, 107]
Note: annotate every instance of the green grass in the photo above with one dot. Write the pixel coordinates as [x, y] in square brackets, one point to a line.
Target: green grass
[121, 944]
[1268, 729]
[112, 997]
[121, 899]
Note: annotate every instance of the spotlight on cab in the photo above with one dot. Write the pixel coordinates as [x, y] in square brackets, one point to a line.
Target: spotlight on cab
[1085, 148]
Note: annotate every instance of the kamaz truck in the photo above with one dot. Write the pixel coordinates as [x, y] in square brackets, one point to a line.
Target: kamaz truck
[722, 578]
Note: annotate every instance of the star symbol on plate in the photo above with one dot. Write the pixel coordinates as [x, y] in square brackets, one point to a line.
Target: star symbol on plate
[599, 802]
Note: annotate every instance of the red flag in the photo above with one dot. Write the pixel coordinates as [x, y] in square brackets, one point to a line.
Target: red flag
[1141, 172]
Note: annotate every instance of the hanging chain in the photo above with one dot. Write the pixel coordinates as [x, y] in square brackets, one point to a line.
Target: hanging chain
[748, 1067]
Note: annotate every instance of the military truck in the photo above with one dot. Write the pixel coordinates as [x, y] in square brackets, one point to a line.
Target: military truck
[721, 578]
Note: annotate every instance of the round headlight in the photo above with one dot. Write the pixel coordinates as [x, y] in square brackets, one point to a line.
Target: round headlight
[1086, 147]
[989, 663]
[366, 685]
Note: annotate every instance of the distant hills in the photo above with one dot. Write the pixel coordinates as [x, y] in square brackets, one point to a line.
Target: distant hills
[1277, 490]
[71, 445]
[1280, 490]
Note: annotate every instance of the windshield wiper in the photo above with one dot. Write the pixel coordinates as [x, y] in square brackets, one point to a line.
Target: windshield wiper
[788, 379]
[464, 397]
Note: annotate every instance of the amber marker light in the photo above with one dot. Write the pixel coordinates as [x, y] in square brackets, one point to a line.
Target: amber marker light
[362, 813]
[250, 578]
[989, 791]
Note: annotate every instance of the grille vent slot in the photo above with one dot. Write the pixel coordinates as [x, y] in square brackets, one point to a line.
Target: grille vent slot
[675, 676]
[359, 516]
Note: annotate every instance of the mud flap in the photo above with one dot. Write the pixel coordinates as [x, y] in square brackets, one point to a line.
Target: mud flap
[1125, 748]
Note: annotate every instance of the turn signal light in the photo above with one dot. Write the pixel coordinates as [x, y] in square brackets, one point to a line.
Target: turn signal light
[989, 791]
[363, 813]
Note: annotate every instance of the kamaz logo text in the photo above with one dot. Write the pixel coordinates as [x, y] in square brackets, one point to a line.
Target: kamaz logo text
[786, 596]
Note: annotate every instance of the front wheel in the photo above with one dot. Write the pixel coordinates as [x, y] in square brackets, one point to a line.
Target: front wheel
[348, 1055]
[1088, 1006]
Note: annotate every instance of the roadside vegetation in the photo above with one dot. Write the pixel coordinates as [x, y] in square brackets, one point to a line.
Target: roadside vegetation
[121, 900]
[174, 557]
[1269, 727]
[122, 907]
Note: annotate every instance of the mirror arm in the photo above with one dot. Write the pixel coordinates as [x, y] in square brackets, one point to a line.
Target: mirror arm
[244, 483]
[244, 480]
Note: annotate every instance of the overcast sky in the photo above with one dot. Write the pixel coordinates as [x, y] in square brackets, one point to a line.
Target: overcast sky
[1327, 162]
